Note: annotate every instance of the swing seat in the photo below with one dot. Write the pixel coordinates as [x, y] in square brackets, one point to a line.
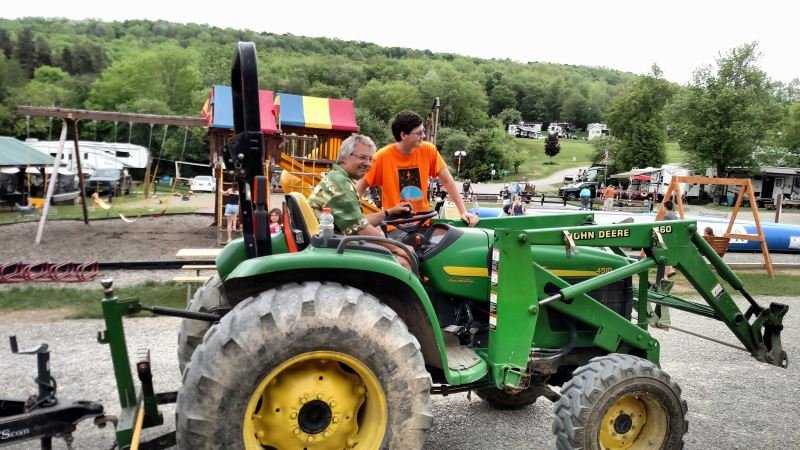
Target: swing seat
[100, 203]
[718, 243]
[24, 210]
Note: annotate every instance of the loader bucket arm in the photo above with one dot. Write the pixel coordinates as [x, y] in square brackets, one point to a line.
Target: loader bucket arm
[678, 244]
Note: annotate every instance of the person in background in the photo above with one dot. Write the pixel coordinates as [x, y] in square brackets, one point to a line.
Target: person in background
[648, 203]
[608, 197]
[337, 191]
[586, 199]
[518, 207]
[669, 272]
[231, 208]
[467, 188]
[275, 222]
[476, 208]
[402, 169]
[708, 231]
[505, 198]
[670, 214]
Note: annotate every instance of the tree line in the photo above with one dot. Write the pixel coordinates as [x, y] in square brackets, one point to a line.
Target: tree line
[159, 67]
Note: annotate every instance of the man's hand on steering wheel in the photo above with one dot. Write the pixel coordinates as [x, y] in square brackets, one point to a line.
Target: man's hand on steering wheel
[470, 219]
[402, 209]
[410, 221]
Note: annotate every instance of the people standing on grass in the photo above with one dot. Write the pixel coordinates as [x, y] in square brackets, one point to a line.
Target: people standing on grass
[231, 208]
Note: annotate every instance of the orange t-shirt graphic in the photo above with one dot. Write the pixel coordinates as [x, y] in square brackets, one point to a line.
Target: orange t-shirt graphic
[405, 177]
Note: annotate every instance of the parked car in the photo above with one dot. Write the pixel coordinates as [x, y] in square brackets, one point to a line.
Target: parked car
[203, 183]
[108, 181]
[572, 191]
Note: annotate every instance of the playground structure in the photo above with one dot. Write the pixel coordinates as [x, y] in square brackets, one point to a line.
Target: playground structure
[71, 118]
[301, 137]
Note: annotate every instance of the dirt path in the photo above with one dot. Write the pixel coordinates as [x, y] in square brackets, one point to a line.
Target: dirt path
[148, 238]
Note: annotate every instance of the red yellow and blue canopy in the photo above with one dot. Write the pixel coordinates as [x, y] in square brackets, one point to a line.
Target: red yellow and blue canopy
[293, 110]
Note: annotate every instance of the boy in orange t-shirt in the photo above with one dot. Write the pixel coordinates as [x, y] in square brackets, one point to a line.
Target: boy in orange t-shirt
[402, 169]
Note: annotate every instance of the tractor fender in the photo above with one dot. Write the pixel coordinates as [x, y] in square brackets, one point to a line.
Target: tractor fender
[233, 254]
[377, 274]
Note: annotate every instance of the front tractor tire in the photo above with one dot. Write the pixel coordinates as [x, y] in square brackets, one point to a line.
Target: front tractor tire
[620, 402]
[310, 366]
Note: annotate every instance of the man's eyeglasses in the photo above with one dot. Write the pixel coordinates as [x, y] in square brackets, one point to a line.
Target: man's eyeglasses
[362, 158]
[418, 133]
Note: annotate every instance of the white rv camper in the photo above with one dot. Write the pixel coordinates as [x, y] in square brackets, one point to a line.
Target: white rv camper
[596, 130]
[96, 155]
[525, 130]
[662, 177]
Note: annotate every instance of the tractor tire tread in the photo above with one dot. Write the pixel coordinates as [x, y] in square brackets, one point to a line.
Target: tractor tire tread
[267, 329]
[192, 332]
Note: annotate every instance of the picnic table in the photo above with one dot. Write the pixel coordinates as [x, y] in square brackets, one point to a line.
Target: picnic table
[195, 281]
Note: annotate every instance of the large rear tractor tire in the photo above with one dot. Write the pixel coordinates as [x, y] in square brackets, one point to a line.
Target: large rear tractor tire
[206, 299]
[620, 402]
[308, 366]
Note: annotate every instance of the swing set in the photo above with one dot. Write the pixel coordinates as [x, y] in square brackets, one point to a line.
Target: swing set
[71, 118]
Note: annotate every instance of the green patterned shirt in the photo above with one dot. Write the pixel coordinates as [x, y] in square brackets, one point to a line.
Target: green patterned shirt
[337, 191]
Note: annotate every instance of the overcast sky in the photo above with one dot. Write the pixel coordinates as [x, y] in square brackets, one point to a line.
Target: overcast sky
[627, 35]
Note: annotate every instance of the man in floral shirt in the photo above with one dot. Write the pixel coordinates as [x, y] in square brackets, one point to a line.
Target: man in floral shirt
[337, 191]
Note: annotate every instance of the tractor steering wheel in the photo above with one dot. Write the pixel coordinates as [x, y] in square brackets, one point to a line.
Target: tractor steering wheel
[413, 223]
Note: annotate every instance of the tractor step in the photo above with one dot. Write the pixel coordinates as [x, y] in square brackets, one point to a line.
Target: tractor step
[458, 356]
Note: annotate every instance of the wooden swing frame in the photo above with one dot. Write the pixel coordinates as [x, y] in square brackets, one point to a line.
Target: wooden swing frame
[745, 188]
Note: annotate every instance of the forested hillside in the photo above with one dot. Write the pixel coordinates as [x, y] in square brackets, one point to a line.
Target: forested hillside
[166, 68]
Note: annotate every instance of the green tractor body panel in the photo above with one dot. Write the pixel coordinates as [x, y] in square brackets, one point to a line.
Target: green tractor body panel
[458, 269]
[377, 267]
[233, 254]
[462, 269]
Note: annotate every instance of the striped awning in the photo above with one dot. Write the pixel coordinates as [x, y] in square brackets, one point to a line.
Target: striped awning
[316, 112]
[218, 109]
[294, 111]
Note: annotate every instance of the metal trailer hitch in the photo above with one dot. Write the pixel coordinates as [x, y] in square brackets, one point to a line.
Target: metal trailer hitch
[43, 416]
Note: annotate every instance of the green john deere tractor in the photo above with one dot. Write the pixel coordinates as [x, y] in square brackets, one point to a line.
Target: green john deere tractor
[305, 342]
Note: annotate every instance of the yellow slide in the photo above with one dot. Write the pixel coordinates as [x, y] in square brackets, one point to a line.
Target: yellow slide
[302, 178]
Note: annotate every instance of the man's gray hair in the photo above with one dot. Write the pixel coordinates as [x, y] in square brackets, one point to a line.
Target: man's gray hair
[349, 145]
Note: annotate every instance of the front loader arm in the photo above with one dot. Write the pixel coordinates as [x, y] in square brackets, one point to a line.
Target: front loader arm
[678, 244]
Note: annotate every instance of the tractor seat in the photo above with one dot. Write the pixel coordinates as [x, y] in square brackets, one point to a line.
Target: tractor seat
[299, 222]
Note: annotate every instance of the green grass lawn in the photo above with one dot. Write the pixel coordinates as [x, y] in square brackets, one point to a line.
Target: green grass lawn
[129, 205]
[574, 153]
[85, 303]
[757, 282]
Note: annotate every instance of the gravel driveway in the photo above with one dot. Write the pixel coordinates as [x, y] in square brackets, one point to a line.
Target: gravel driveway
[734, 401]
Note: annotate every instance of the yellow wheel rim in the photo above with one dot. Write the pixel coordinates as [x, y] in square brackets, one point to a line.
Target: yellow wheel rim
[317, 400]
[635, 421]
